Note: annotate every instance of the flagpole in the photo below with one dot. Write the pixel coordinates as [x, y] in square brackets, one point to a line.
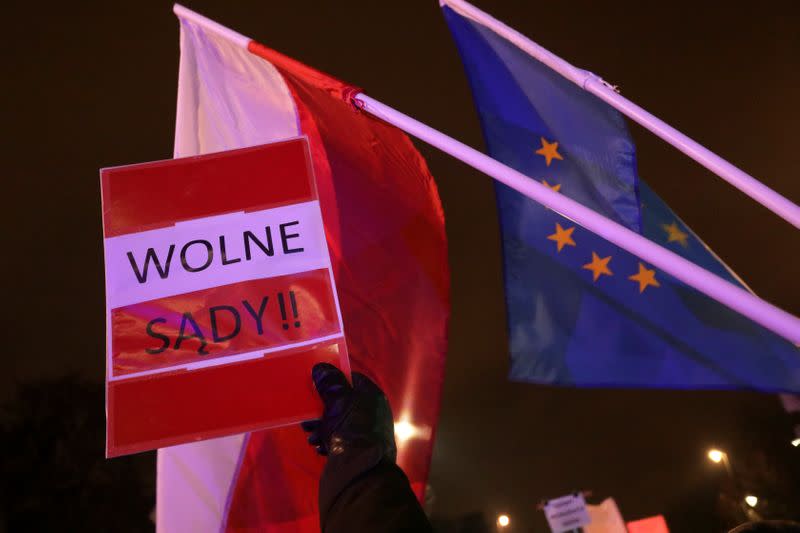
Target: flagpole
[592, 83]
[738, 299]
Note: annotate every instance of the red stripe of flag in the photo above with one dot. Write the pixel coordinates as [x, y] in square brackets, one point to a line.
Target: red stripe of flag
[385, 230]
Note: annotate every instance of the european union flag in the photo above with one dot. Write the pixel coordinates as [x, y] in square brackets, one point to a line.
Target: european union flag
[582, 311]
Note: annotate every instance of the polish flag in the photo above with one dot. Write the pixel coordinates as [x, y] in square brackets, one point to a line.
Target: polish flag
[385, 231]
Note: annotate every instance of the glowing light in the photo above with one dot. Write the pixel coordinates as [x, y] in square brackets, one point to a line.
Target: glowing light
[751, 500]
[796, 442]
[716, 455]
[404, 430]
[503, 520]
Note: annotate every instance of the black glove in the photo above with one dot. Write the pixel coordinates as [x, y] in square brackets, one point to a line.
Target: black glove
[355, 418]
[361, 488]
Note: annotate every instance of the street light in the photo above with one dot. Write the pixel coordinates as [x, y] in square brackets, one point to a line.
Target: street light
[716, 455]
[795, 442]
[503, 521]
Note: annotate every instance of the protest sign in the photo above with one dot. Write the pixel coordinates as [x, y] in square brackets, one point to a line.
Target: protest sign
[605, 518]
[219, 296]
[566, 513]
[653, 524]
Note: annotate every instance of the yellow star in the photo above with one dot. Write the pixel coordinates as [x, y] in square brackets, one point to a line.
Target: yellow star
[674, 234]
[563, 237]
[645, 277]
[555, 187]
[549, 151]
[598, 266]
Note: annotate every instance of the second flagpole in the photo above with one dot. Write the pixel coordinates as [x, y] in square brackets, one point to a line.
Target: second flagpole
[775, 202]
[760, 311]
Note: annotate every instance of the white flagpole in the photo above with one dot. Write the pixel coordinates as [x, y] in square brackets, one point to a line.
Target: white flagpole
[592, 83]
[738, 299]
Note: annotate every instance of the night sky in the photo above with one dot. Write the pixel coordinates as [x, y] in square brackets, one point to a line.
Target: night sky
[93, 84]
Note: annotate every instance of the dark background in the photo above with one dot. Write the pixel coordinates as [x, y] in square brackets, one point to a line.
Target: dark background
[92, 84]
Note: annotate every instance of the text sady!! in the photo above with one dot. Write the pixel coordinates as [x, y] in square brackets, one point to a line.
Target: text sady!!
[189, 329]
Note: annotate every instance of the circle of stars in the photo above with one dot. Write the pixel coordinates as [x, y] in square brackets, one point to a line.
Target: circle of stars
[599, 266]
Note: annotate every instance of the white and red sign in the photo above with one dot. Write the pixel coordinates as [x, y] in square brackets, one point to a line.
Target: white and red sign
[220, 296]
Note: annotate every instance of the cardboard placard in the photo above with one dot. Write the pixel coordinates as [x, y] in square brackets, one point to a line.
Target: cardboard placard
[219, 296]
[567, 513]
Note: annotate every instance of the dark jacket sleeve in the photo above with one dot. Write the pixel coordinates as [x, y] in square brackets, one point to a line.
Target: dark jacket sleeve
[379, 500]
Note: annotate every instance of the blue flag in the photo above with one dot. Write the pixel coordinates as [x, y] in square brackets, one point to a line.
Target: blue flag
[582, 311]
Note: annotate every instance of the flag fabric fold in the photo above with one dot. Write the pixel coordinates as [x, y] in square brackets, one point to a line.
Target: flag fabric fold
[385, 230]
[582, 311]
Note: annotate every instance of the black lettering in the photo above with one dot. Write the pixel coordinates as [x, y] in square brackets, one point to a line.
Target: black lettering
[282, 305]
[257, 316]
[141, 275]
[187, 318]
[209, 255]
[164, 339]
[215, 332]
[249, 236]
[285, 237]
[224, 254]
[293, 300]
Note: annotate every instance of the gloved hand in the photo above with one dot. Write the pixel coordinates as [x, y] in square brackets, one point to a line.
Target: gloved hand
[355, 418]
[361, 488]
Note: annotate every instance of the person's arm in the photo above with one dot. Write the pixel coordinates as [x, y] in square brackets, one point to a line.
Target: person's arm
[380, 500]
[361, 489]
